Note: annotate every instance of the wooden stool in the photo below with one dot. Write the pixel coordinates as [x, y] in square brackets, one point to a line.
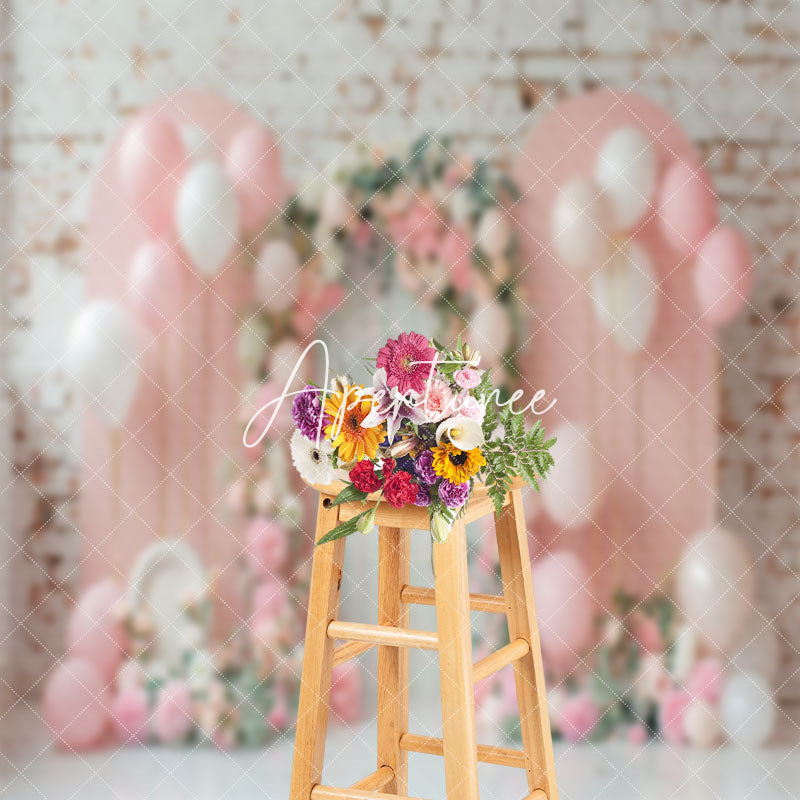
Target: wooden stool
[453, 641]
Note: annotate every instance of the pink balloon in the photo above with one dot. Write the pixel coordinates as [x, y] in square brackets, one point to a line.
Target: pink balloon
[94, 631]
[151, 164]
[254, 167]
[564, 607]
[722, 275]
[688, 207]
[75, 704]
[155, 280]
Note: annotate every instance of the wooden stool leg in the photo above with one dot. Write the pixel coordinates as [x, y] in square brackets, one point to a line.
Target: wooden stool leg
[393, 575]
[455, 666]
[515, 567]
[323, 604]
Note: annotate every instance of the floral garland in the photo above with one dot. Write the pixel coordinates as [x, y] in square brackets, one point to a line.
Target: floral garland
[429, 220]
[421, 435]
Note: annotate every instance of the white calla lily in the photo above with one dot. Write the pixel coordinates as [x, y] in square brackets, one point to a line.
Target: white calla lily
[462, 432]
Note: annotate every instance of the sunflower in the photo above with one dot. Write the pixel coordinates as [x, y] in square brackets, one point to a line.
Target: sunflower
[457, 466]
[346, 411]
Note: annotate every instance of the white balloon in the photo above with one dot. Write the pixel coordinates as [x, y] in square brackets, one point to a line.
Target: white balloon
[490, 332]
[625, 296]
[208, 217]
[103, 358]
[684, 652]
[494, 232]
[758, 650]
[581, 225]
[277, 274]
[568, 494]
[747, 709]
[715, 586]
[626, 171]
[701, 724]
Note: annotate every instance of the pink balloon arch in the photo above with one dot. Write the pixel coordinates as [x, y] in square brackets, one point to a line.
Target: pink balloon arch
[646, 418]
[157, 475]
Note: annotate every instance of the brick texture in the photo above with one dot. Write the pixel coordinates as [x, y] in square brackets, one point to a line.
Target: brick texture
[321, 74]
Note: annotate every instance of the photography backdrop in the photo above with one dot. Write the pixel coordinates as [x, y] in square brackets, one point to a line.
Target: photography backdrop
[320, 76]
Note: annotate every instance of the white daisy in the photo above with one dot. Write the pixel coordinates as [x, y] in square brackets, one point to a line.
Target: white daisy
[312, 462]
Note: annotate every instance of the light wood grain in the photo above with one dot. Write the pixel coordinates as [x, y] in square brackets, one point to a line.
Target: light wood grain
[332, 793]
[537, 795]
[515, 568]
[434, 746]
[455, 665]
[477, 602]
[312, 713]
[500, 658]
[382, 634]
[393, 574]
[351, 650]
[376, 781]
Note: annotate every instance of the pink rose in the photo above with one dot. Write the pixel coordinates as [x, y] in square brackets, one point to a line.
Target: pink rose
[637, 734]
[267, 545]
[346, 692]
[468, 378]
[578, 716]
[648, 634]
[670, 714]
[130, 711]
[270, 600]
[705, 680]
[172, 720]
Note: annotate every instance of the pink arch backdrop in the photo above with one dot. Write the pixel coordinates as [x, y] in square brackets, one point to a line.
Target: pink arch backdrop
[158, 475]
[651, 415]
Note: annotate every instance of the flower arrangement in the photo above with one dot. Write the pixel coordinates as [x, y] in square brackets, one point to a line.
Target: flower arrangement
[422, 434]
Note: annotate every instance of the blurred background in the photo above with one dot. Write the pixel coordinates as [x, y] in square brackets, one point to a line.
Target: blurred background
[601, 197]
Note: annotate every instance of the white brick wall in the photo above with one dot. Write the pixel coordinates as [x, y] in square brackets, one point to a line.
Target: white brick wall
[320, 73]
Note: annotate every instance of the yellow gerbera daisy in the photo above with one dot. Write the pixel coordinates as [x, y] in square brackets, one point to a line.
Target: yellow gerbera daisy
[346, 410]
[457, 466]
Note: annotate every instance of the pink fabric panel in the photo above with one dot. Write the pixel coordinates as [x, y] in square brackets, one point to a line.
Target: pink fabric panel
[652, 414]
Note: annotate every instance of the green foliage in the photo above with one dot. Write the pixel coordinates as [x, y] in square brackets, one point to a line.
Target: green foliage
[343, 528]
[516, 452]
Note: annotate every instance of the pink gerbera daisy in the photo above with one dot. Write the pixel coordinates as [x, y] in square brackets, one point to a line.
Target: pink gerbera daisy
[408, 361]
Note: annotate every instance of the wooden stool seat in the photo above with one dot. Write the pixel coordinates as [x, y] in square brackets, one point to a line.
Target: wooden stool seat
[452, 640]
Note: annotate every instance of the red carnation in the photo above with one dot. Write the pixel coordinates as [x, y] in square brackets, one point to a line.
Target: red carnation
[387, 467]
[399, 490]
[364, 478]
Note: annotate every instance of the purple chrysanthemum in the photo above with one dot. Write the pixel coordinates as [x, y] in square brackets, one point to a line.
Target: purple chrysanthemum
[454, 495]
[307, 411]
[423, 497]
[423, 466]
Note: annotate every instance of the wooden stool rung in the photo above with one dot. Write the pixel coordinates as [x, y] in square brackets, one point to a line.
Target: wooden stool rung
[382, 634]
[494, 662]
[433, 746]
[348, 651]
[477, 602]
[376, 781]
[537, 795]
[332, 793]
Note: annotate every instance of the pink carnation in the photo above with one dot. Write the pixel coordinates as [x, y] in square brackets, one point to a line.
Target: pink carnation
[705, 680]
[578, 716]
[468, 378]
[346, 692]
[470, 407]
[671, 713]
[267, 545]
[437, 400]
[130, 711]
[172, 720]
